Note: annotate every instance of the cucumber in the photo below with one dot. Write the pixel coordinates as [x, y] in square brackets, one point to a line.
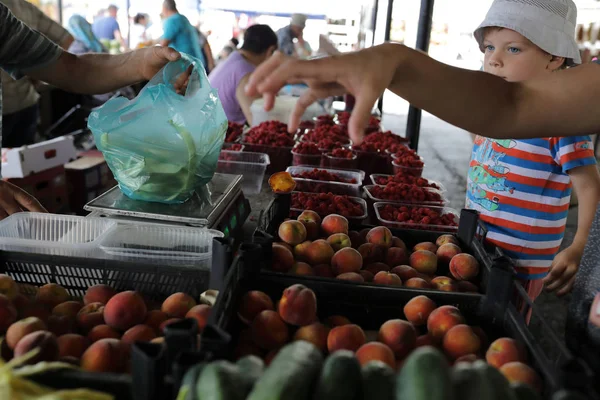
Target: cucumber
[291, 375]
[496, 386]
[567, 395]
[524, 392]
[467, 383]
[424, 376]
[220, 380]
[340, 378]
[377, 381]
[187, 390]
[251, 369]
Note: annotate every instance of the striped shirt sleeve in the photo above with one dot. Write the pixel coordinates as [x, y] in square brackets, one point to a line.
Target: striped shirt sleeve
[22, 49]
[572, 152]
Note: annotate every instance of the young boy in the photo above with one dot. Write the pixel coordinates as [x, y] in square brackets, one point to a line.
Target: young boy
[522, 188]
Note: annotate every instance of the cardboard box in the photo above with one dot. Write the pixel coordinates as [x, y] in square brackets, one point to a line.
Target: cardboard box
[49, 187]
[87, 178]
[27, 160]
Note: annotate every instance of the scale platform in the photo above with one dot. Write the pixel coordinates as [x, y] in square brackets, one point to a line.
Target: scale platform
[214, 206]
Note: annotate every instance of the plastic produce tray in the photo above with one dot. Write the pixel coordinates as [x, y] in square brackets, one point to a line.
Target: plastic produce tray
[294, 212]
[280, 157]
[374, 199]
[252, 166]
[407, 225]
[317, 186]
[375, 177]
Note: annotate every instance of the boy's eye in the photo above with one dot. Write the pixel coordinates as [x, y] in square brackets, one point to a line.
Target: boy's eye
[489, 47]
[514, 50]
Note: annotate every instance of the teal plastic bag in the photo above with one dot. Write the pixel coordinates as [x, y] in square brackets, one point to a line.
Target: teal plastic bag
[162, 146]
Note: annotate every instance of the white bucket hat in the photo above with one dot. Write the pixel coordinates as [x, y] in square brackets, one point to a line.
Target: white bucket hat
[549, 24]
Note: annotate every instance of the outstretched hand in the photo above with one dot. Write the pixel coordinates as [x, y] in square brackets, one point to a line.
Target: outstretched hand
[14, 199]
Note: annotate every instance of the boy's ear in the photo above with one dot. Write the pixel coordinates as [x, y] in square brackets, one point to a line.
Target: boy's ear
[556, 63]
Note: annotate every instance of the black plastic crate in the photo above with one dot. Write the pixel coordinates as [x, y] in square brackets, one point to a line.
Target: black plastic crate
[369, 306]
[471, 236]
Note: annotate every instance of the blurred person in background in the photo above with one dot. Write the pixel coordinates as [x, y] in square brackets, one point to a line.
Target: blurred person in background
[228, 49]
[20, 112]
[107, 27]
[287, 34]
[230, 76]
[138, 36]
[85, 40]
[179, 33]
[206, 51]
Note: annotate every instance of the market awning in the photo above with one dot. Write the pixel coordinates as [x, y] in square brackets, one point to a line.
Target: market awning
[281, 8]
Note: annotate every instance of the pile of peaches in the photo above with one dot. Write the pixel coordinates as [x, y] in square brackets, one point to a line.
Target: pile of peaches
[270, 327]
[327, 248]
[95, 333]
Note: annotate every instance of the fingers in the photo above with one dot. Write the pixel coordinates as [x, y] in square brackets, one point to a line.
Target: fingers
[307, 98]
[556, 271]
[27, 201]
[567, 274]
[567, 288]
[360, 116]
[169, 53]
[263, 72]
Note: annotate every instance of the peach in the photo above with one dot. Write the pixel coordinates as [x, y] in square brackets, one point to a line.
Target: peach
[298, 305]
[98, 294]
[302, 269]
[425, 340]
[315, 333]
[158, 340]
[20, 301]
[72, 345]
[399, 243]
[308, 215]
[22, 328]
[399, 335]
[426, 246]
[337, 320]
[43, 340]
[8, 313]
[90, 316]
[418, 309]
[346, 337]
[282, 258]
[106, 355]
[127, 309]
[417, 283]
[468, 358]
[252, 304]
[339, 241]
[312, 229]
[442, 319]
[170, 321]
[440, 281]
[387, 278]
[446, 252]
[396, 256]
[464, 267]
[292, 232]
[323, 270]
[351, 277]
[333, 224]
[346, 260]
[366, 275]
[375, 351]
[448, 288]
[102, 332]
[154, 318]
[424, 261]
[270, 357]
[467, 287]
[319, 252]
[52, 295]
[300, 250]
[518, 372]
[138, 333]
[177, 305]
[380, 236]
[503, 351]
[363, 234]
[371, 253]
[200, 313]
[8, 287]
[442, 240]
[269, 331]
[405, 272]
[485, 341]
[68, 309]
[460, 340]
[377, 267]
[287, 246]
[355, 239]
[425, 277]
[61, 324]
[34, 310]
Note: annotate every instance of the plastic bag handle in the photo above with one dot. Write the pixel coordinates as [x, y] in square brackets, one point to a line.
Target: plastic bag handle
[183, 64]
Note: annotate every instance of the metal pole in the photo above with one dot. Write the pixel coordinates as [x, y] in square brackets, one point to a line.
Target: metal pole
[60, 11]
[413, 124]
[388, 28]
[128, 6]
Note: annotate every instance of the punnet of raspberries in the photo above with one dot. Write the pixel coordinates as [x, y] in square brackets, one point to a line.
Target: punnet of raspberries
[408, 161]
[407, 193]
[327, 203]
[417, 215]
[324, 132]
[306, 148]
[322, 175]
[325, 119]
[234, 147]
[366, 147]
[332, 143]
[408, 179]
[272, 127]
[306, 125]
[268, 138]
[234, 131]
[384, 140]
[342, 152]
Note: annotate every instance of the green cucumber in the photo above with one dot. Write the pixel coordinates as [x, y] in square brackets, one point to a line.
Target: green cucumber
[524, 391]
[424, 376]
[251, 369]
[340, 378]
[495, 384]
[467, 383]
[377, 381]
[291, 375]
[187, 390]
[220, 380]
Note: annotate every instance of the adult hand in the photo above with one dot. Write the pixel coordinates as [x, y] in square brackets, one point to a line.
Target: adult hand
[561, 277]
[150, 60]
[365, 74]
[14, 199]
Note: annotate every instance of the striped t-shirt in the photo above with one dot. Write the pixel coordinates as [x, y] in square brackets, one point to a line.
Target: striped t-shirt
[522, 190]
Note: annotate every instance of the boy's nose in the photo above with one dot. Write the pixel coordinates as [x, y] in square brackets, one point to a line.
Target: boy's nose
[494, 62]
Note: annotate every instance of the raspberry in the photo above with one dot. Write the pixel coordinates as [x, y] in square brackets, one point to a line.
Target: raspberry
[234, 131]
[405, 193]
[306, 148]
[327, 203]
[418, 217]
[342, 153]
[323, 175]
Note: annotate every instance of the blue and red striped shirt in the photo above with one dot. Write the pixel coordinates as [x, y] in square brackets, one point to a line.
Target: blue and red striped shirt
[522, 190]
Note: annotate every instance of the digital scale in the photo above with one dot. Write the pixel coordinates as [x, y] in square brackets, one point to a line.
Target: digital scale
[219, 205]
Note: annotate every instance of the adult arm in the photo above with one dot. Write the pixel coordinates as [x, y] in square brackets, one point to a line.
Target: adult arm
[243, 99]
[48, 27]
[210, 61]
[564, 103]
[170, 31]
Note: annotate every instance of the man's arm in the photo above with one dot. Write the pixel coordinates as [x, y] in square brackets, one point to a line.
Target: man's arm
[210, 61]
[170, 30]
[244, 100]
